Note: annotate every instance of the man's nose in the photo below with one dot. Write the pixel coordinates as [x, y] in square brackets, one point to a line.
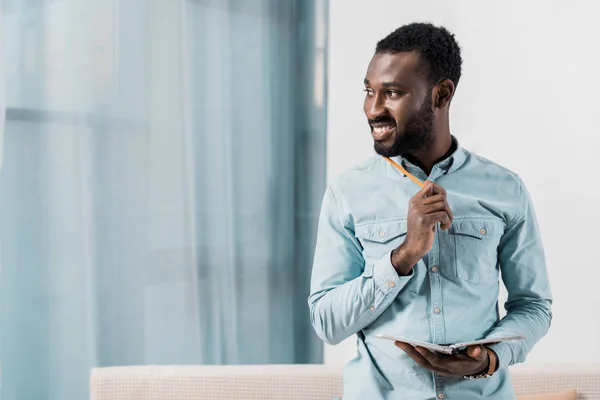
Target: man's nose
[376, 108]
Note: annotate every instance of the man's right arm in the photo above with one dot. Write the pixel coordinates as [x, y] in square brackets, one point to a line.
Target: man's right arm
[346, 294]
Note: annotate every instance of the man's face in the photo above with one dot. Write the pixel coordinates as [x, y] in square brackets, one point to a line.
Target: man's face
[398, 104]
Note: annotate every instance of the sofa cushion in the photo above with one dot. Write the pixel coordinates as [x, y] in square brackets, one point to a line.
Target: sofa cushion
[297, 382]
[563, 395]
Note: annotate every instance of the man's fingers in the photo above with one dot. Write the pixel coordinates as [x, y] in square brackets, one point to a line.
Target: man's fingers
[437, 363]
[465, 363]
[433, 359]
[425, 191]
[441, 216]
[418, 358]
[435, 203]
[439, 206]
[430, 189]
[415, 355]
[446, 225]
[436, 189]
[433, 199]
[434, 207]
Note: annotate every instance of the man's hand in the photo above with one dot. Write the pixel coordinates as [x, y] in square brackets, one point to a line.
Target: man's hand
[425, 210]
[474, 361]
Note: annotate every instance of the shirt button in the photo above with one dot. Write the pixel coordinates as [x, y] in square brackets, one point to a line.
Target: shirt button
[434, 269]
[391, 284]
[372, 308]
[482, 231]
[441, 395]
[437, 310]
[381, 234]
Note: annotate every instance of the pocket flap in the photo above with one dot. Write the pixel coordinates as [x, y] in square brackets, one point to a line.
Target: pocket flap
[477, 227]
[381, 231]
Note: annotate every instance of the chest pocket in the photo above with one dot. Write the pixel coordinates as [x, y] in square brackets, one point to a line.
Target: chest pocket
[476, 243]
[379, 237]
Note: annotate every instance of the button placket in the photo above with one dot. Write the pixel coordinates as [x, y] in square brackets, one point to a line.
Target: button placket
[436, 292]
[436, 303]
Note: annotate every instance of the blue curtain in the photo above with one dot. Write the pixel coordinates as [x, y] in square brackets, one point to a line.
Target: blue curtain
[164, 162]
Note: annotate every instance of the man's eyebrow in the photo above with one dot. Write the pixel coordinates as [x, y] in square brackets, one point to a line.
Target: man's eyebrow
[384, 84]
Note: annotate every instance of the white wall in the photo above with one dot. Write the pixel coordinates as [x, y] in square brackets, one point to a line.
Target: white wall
[528, 99]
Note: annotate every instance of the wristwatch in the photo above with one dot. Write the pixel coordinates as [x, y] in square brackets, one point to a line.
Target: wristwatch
[491, 368]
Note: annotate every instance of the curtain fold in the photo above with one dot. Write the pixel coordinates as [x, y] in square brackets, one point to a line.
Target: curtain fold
[163, 170]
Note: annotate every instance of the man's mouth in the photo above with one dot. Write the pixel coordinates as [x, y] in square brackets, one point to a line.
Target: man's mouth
[382, 132]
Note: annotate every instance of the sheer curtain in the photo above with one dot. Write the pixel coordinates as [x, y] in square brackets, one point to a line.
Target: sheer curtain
[2, 94]
[163, 170]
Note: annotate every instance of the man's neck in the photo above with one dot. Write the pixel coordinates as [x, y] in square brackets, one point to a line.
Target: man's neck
[441, 148]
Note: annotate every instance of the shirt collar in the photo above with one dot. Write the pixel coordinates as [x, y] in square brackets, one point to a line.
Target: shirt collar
[448, 165]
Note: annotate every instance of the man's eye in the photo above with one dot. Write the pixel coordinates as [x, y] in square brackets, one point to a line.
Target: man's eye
[393, 93]
[369, 91]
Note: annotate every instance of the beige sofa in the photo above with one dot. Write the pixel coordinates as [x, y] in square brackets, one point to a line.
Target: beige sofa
[293, 382]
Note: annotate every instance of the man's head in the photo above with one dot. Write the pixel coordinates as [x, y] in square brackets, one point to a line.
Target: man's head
[409, 85]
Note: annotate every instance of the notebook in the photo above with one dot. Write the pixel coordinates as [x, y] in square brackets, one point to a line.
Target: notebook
[450, 349]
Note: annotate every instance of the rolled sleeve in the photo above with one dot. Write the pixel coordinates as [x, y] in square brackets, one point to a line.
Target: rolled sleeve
[347, 293]
[385, 275]
[522, 261]
[504, 353]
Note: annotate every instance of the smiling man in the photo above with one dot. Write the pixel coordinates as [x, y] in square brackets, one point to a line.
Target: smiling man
[424, 263]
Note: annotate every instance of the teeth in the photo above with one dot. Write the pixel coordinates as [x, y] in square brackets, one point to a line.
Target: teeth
[383, 129]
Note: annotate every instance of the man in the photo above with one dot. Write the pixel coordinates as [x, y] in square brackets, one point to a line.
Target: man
[425, 263]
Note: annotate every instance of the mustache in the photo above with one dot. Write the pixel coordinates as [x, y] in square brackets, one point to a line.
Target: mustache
[382, 119]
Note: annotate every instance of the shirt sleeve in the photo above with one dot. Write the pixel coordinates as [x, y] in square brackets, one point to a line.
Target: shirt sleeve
[523, 265]
[347, 294]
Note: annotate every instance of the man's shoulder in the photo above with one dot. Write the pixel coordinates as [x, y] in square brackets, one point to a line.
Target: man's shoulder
[353, 175]
[364, 165]
[487, 166]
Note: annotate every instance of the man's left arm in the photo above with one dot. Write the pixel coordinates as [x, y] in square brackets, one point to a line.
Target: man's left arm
[523, 266]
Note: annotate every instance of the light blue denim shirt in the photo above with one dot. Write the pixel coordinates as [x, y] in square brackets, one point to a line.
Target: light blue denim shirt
[451, 295]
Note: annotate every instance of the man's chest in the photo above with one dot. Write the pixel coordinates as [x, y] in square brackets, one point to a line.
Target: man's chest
[467, 252]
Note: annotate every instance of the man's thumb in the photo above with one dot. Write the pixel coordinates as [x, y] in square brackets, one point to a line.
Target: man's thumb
[476, 352]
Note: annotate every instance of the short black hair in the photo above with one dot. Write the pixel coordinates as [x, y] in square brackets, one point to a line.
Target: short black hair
[436, 46]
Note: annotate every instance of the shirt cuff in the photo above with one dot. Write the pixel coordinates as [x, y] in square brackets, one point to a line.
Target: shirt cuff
[385, 275]
[504, 353]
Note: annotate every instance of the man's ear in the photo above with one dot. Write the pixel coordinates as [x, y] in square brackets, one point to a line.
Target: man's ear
[443, 93]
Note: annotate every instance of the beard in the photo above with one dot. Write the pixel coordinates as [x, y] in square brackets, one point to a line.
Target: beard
[418, 134]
